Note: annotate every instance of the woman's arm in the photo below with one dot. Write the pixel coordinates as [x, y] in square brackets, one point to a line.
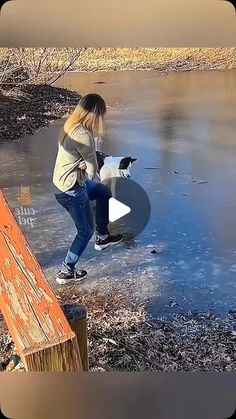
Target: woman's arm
[86, 148]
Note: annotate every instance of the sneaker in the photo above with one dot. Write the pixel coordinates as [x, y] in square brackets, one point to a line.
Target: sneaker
[109, 241]
[73, 276]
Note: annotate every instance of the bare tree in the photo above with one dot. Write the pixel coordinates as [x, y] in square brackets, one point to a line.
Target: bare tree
[73, 59]
[22, 66]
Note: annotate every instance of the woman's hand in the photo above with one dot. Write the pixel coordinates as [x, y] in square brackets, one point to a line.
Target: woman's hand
[82, 165]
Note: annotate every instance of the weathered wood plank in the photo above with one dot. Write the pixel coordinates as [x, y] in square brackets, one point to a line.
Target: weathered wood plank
[32, 313]
[77, 317]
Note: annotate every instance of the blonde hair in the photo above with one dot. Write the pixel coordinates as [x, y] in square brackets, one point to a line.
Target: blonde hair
[89, 113]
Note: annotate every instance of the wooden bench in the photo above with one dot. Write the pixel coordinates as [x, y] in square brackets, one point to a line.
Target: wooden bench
[38, 325]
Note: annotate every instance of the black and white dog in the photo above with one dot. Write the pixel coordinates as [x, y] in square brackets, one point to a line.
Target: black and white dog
[112, 167]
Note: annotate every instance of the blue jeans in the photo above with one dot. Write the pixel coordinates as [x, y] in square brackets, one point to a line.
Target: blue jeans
[77, 202]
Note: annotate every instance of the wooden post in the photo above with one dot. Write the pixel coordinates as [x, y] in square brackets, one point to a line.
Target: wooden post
[77, 317]
[41, 333]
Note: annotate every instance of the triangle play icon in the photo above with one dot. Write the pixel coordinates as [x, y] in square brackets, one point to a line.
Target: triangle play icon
[117, 210]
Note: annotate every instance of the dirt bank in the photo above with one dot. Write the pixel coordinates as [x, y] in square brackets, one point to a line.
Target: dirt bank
[24, 110]
[123, 337]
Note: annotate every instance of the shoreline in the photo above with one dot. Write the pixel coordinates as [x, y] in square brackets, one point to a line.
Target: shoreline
[159, 72]
[123, 336]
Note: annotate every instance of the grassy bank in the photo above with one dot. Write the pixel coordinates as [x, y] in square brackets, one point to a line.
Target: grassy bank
[97, 59]
[160, 59]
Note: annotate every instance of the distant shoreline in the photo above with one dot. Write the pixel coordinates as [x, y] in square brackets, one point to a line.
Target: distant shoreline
[23, 111]
[108, 59]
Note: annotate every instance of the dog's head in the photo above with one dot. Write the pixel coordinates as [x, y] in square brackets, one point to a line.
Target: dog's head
[124, 166]
[109, 166]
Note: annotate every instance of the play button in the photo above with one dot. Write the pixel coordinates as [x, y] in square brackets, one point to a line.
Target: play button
[129, 207]
[117, 210]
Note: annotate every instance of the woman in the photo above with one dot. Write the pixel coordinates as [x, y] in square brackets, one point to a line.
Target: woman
[75, 169]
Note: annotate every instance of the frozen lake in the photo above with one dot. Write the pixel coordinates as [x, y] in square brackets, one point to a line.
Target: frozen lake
[181, 128]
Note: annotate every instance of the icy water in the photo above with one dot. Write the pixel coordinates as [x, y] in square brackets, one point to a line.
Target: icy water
[181, 128]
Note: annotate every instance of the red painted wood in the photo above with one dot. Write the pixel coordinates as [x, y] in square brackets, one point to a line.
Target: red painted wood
[28, 304]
